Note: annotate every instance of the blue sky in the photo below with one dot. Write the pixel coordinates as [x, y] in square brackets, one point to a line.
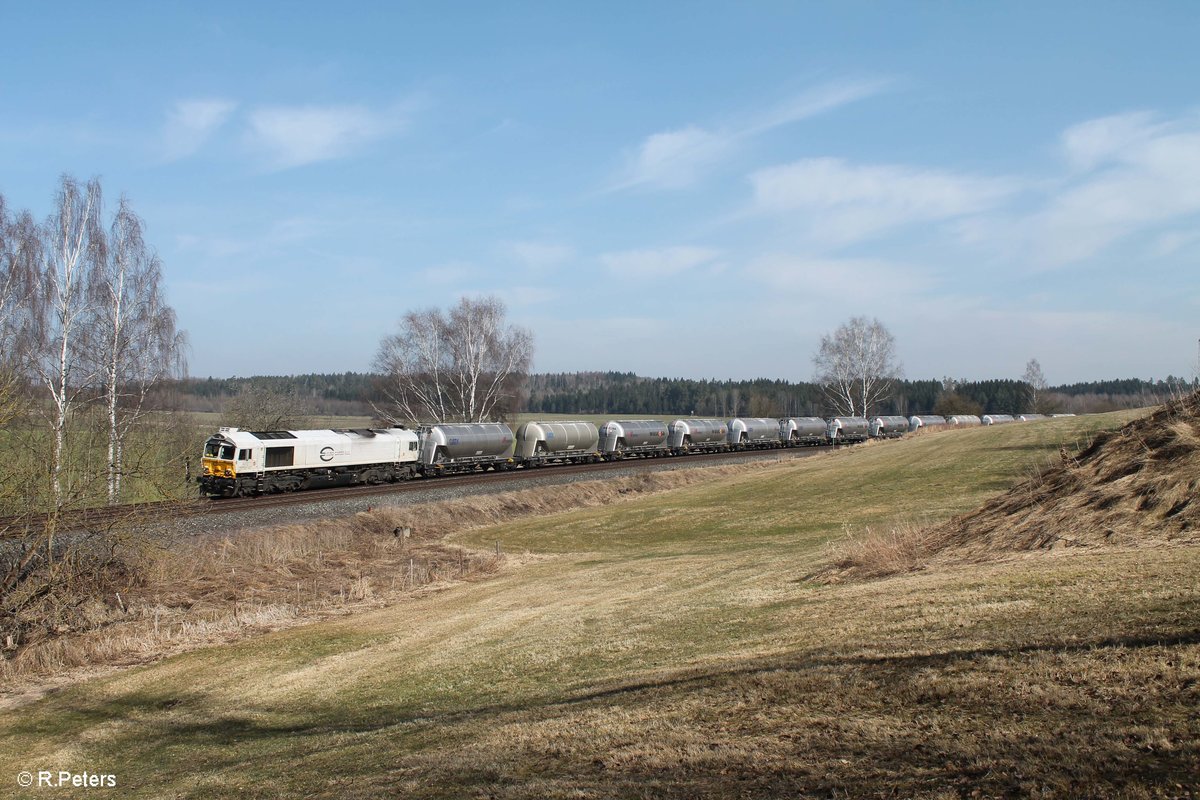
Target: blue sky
[679, 189]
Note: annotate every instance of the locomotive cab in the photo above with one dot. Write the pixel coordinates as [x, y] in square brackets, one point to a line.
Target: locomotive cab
[224, 460]
[219, 457]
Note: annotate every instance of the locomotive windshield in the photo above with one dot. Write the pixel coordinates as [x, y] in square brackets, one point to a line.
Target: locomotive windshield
[215, 448]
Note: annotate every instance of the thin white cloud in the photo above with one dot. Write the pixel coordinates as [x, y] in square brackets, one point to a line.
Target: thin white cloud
[524, 296]
[191, 123]
[820, 280]
[298, 135]
[657, 263]
[1140, 174]
[839, 203]
[453, 272]
[538, 255]
[814, 102]
[674, 159]
[678, 158]
[1099, 141]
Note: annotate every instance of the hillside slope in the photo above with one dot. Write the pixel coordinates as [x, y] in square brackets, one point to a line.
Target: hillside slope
[1131, 487]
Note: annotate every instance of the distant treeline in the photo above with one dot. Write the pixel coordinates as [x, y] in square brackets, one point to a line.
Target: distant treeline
[627, 393]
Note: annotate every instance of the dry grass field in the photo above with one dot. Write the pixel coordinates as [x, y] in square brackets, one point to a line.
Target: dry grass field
[681, 644]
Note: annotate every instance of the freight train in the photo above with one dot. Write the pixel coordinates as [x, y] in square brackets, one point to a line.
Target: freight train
[245, 463]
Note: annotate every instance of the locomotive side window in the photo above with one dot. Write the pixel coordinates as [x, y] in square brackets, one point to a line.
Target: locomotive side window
[244, 455]
[412, 445]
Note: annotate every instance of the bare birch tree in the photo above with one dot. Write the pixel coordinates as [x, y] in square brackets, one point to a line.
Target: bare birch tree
[137, 343]
[856, 366]
[463, 366]
[58, 331]
[1036, 382]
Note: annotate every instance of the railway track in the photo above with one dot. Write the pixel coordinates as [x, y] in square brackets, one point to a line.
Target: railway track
[107, 517]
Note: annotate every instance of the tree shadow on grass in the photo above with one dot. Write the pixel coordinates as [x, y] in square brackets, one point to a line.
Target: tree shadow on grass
[815, 724]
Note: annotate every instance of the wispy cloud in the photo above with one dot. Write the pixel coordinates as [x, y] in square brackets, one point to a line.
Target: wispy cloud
[292, 136]
[1096, 142]
[658, 263]
[452, 272]
[678, 158]
[840, 203]
[538, 255]
[191, 123]
[674, 159]
[1136, 173]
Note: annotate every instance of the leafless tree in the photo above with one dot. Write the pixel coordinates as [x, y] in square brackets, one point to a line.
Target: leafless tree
[18, 260]
[463, 366]
[137, 343]
[1036, 382]
[262, 407]
[856, 366]
[58, 330]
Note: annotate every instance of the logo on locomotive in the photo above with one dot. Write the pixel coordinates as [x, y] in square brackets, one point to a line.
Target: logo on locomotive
[327, 454]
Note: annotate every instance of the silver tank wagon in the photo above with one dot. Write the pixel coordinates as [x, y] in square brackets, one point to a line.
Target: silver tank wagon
[803, 430]
[916, 422]
[753, 432]
[691, 435]
[642, 437]
[848, 429]
[1030, 417]
[963, 420]
[466, 447]
[886, 427]
[997, 419]
[539, 442]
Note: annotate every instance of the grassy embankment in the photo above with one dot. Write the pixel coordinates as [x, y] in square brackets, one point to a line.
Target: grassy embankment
[671, 645]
